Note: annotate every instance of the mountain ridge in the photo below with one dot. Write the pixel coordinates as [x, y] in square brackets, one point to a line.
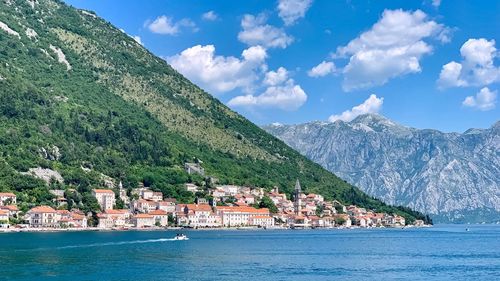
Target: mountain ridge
[420, 168]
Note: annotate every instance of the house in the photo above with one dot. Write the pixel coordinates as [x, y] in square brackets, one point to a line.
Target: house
[143, 220]
[167, 205]
[192, 187]
[157, 196]
[12, 209]
[419, 223]
[145, 206]
[7, 198]
[160, 217]
[105, 198]
[249, 199]
[43, 216]
[4, 216]
[113, 218]
[230, 190]
[197, 215]
[217, 193]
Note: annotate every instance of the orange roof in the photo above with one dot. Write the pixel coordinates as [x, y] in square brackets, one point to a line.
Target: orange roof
[10, 208]
[242, 209]
[143, 216]
[42, 209]
[158, 212]
[4, 212]
[198, 207]
[77, 216]
[262, 217]
[117, 212]
[7, 194]
[103, 191]
[65, 212]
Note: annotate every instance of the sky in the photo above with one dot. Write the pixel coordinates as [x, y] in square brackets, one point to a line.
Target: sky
[425, 64]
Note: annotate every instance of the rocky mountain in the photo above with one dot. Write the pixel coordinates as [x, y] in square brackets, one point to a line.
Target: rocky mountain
[82, 100]
[455, 177]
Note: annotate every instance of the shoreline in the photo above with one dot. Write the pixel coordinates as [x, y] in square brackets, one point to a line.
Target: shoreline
[153, 229]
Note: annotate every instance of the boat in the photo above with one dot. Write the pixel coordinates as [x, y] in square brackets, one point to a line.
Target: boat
[181, 237]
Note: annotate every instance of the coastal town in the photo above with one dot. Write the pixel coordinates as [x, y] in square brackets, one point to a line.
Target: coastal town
[229, 206]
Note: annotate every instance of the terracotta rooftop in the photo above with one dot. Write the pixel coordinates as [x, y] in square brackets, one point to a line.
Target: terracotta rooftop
[103, 191]
[42, 209]
[7, 194]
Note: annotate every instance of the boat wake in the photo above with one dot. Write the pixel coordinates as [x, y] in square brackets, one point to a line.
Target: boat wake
[115, 243]
[104, 244]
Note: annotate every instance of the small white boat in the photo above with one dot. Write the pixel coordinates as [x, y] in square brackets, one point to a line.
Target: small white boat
[181, 237]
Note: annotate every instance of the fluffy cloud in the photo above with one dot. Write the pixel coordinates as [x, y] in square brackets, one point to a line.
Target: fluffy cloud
[166, 25]
[281, 93]
[219, 74]
[371, 105]
[476, 68]
[322, 69]
[292, 10]
[257, 32]
[392, 47]
[274, 78]
[484, 100]
[210, 16]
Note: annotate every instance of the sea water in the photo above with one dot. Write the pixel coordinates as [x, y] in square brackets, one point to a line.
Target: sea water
[443, 252]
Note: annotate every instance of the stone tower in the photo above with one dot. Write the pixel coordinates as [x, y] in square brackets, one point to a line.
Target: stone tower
[298, 191]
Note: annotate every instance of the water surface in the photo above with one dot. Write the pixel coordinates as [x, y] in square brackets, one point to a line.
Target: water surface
[437, 253]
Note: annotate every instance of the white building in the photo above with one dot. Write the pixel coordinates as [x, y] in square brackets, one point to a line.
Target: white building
[160, 217]
[241, 216]
[43, 216]
[192, 187]
[4, 216]
[5, 197]
[143, 220]
[197, 215]
[114, 218]
[105, 198]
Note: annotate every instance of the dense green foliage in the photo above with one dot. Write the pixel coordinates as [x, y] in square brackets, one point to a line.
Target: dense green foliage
[124, 113]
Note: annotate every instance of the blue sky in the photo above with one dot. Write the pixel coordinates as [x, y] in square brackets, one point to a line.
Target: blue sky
[426, 64]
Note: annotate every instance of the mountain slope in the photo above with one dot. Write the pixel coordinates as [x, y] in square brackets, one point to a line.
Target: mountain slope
[455, 177]
[82, 98]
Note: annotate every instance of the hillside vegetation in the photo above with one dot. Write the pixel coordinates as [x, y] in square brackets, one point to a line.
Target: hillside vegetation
[80, 97]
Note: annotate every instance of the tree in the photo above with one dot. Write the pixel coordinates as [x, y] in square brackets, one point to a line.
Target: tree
[266, 202]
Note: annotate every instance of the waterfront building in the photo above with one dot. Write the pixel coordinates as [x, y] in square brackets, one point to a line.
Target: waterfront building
[43, 216]
[143, 220]
[197, 215]
[105, 198]
[114, 218]
[241, 215]
[4, 216]
[160, 217]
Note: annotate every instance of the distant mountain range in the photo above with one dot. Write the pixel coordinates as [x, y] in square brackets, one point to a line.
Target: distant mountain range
[454, 177]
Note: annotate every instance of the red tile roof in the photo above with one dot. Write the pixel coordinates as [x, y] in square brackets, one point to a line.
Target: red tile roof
[7, 194]
[42, 209]
[103, 191]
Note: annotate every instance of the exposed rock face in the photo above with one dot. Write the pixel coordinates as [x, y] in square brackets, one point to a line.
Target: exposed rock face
[46, 175]
[454, 177]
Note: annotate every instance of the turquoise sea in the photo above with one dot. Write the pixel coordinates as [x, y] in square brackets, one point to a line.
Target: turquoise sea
[446, 252]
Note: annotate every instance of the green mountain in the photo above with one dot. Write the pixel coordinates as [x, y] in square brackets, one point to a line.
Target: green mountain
[80, 97]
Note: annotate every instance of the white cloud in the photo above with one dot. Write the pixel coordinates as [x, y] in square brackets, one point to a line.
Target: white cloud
[436, 3]
[257, 32]
[281, 93]
[210, 16]
[274, 78]
[322, 69]
[292, 10]
[166, 25]
[371, 105]
[219, 74]
[392, 47]
[137, 39]
[477, 67]
[484, 100]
